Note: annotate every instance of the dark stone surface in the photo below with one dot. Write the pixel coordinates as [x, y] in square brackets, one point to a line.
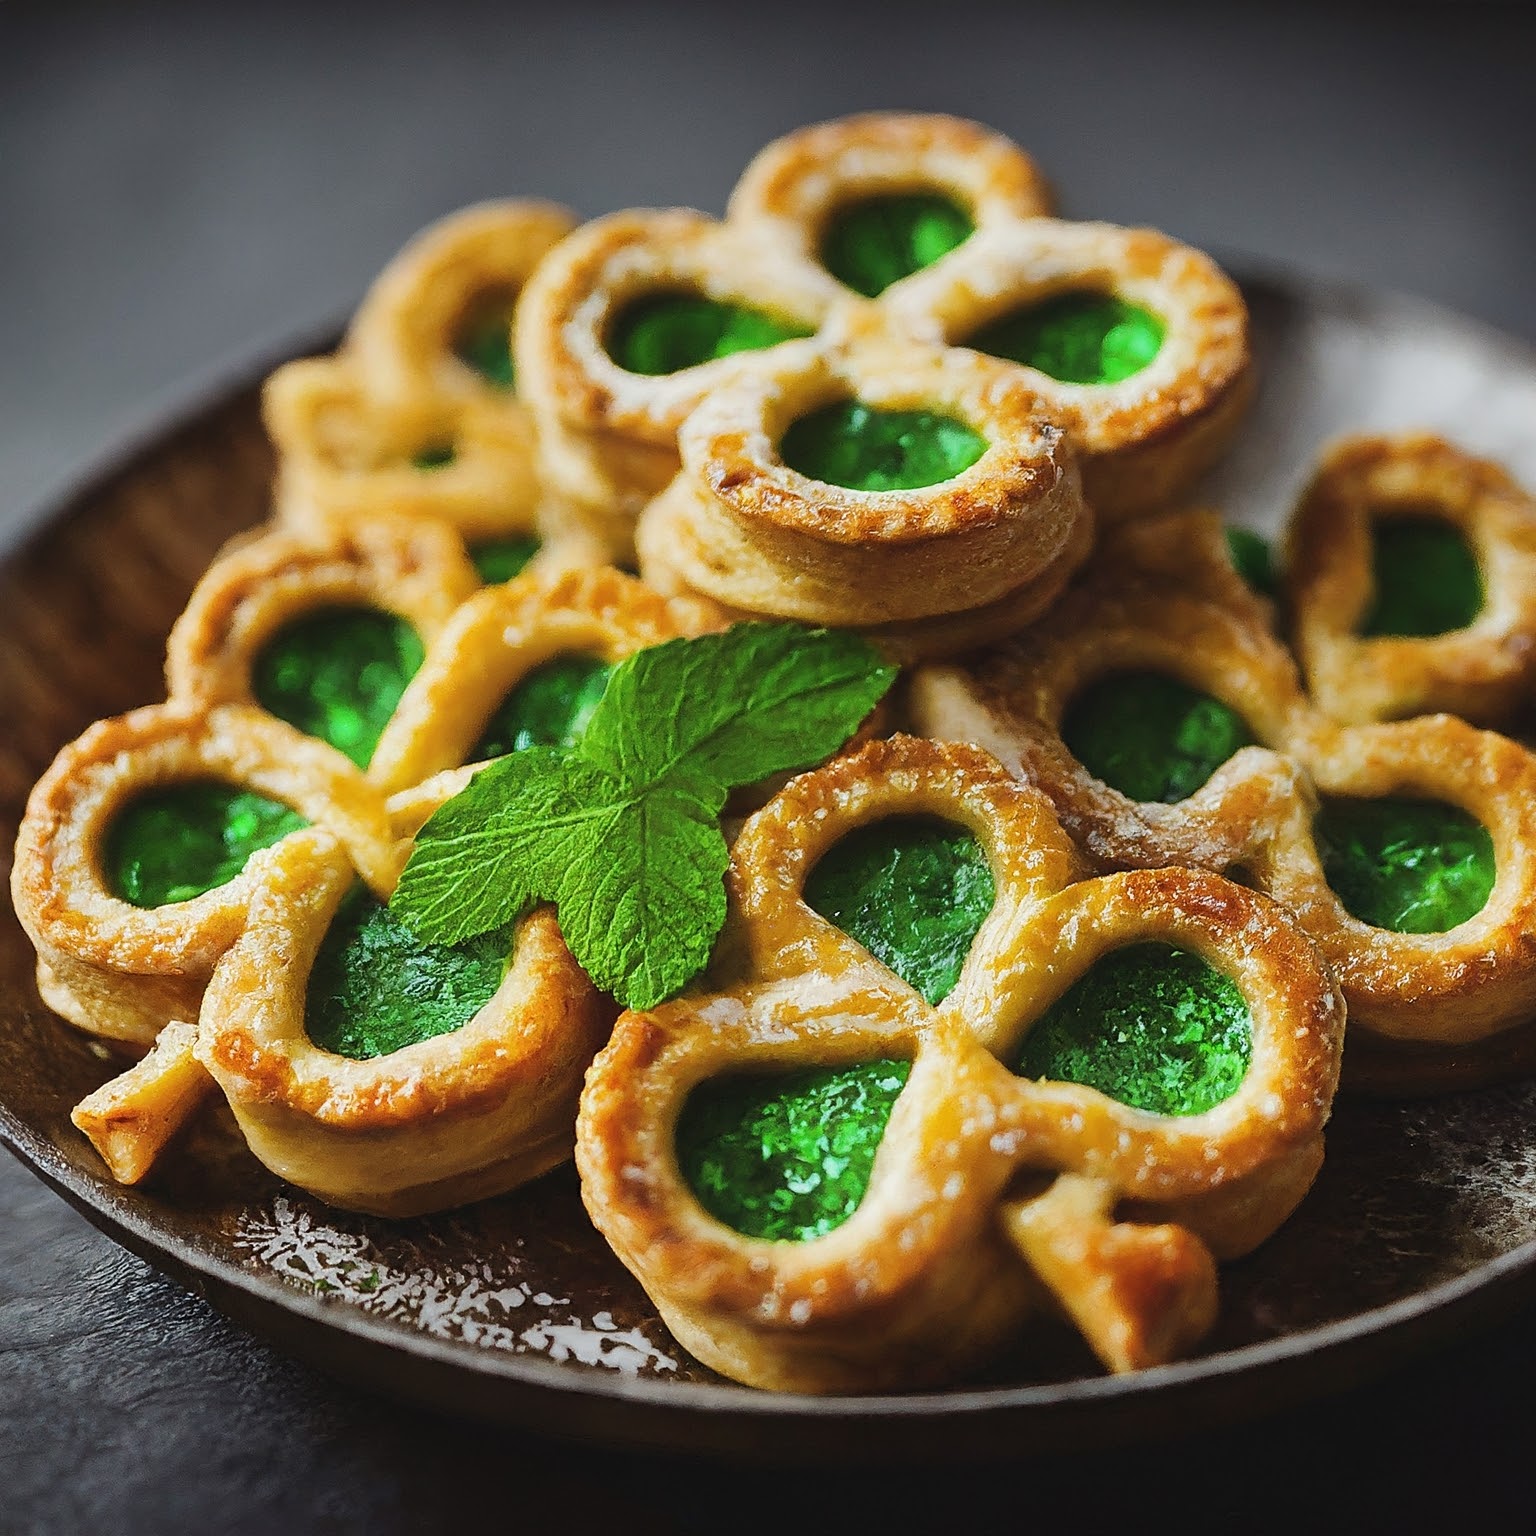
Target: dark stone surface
[180, 180]
[146, 1412]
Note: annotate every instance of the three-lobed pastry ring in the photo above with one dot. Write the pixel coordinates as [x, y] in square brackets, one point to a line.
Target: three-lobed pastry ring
[1268, 784]
[996, 1186]
[181, 868]
[673, 362]
[418, 410]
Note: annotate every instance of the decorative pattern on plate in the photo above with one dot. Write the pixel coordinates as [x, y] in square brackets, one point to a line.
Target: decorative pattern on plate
[1433, 938]
[905, 232]
[978, 1195]
[487, 1302]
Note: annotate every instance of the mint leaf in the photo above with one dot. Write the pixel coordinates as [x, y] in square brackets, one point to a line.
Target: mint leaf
[643, 915]
[621, 831]
[487, 855]
[733, 708]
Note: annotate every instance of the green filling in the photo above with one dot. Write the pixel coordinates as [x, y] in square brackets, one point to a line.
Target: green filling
[1413, 866]
[499, 560]
[787, 1156]
[337, 673]
[375, 988]
[667, 332]
[1150, 736]
[1253, 559]
[550, 707]
[873, 243]
[1427, 580]
[1152, 1026]
[912, 890]
[434, 456]
[484, 343]
[174, 843]
[865, 449]
[1079, 338]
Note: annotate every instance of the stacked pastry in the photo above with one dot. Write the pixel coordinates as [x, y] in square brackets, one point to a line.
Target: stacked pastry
[1035, 1012]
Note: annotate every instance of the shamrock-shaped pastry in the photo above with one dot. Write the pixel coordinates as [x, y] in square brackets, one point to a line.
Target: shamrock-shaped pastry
[936, 1084]
[418, 412]
[1168, 725]
[885, 272]
[251, 815]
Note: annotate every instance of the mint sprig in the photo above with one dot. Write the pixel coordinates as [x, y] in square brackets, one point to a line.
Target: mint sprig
[621, 831]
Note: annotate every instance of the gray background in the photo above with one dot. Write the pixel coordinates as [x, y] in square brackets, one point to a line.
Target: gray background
[182, 183]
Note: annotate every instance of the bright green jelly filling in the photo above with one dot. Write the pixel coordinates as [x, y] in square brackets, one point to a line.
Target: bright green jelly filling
[667, 332]
[337, 673]
[434, 456]
[484, 341]
[375, 988]
[1413, 866]
[1253, 559]
[550, 707]
[1426, 578]
[870, 244]
[912, 890]
[787, 1156]
[864, 449]
[1150, 736]
[174, 843]
[1152, 1026]
[500, 560]
[1079, 338]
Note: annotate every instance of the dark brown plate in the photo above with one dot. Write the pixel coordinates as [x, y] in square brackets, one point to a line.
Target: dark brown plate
[1423, 1221]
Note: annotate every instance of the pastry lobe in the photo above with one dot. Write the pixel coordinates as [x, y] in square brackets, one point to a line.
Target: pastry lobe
[418, 413]
[521, 664]
[345, 452]
[321, 630]
[438, 318]
[626, 328]
[937, 1085]
[922, 496]
[1411, 576]
[1136, 344]
[135, 858]
[876, 197]
[384, 1074]
[1168, 726]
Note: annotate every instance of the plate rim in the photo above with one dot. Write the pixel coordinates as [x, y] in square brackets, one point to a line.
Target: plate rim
[1357, 1345]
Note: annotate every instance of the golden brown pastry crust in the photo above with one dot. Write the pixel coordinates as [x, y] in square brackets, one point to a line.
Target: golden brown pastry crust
[346, 452]
[1471, 984]
[140, 976]
[667, 530]
[131, 1117]
[439, 1123]
[740, 526]
[348, 427]
[1141, 442]
[404, 334]
[123, 971]
[608, 435]
[1483, 672]
[499, 636]
[407, 566]
[793, 185]
[925, 1280]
